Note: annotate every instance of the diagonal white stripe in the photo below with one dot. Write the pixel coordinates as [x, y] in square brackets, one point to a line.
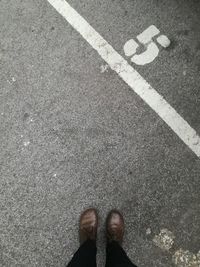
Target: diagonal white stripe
[137, 83]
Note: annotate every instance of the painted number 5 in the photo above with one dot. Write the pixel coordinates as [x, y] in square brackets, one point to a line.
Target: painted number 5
[151, 48]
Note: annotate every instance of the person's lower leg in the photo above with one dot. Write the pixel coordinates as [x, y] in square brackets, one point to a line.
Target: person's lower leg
[115, 255]
[86, 254]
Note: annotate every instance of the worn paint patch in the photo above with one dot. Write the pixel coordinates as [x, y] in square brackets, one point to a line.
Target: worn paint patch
[26, 143]
[181, 258]
[185, 258]
[164, 240]
[148, 231]
[104, 68]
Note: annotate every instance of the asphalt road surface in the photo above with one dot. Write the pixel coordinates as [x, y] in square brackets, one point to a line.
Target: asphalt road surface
[73, 134]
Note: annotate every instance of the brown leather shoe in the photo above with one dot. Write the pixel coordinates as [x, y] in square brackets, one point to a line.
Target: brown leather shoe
[115, 226]
[88, 225]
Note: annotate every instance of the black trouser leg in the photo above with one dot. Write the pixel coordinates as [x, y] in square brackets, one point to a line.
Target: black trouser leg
[116, 256]
[85, 256]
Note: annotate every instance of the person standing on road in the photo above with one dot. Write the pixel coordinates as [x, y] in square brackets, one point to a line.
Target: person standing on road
[86, 254]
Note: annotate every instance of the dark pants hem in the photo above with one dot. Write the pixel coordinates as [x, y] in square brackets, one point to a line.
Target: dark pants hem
[86, 256]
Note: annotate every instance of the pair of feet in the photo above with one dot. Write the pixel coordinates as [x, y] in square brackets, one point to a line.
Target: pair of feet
[89, 223]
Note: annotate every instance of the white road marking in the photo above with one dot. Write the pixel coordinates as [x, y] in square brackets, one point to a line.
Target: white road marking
[164, 41]
[151, 49]
[130, 47]
[137, 83]
[146, 36]
[147, 56]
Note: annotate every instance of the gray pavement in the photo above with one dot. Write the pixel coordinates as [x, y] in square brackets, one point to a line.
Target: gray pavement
[73, 137]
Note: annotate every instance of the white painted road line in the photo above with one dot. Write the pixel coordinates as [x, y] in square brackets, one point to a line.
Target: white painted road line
[137, 83]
